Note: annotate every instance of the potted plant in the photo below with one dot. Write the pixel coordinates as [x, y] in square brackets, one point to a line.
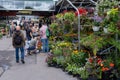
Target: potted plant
[96, 22]
[105, 23]
[96, 26]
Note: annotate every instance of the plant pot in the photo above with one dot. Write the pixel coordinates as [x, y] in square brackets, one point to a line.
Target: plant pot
[50, 65]
[95, 28]
[64, 70]
[70, 73]
[92, 77]
[105, 30]
[79, 78]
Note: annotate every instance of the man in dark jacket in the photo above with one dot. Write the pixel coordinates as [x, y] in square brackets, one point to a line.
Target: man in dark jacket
[18, 41]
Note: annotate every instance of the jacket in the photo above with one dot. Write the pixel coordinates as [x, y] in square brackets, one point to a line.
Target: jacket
[23, 39]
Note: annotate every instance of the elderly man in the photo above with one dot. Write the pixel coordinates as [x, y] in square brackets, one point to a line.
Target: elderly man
[18, 41]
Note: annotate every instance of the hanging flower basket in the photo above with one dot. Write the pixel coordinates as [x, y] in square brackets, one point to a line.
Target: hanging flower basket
[105, 30]
[95, 28]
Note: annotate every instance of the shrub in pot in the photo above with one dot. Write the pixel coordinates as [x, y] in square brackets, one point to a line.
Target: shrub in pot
[79, 58]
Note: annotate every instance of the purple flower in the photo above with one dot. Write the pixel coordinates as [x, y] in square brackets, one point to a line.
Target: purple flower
[97, 18]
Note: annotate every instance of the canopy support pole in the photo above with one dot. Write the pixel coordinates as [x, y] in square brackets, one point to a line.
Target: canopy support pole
[78, 22]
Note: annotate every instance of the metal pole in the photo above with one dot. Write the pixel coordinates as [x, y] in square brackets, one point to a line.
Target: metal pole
[61, 6]
[93, 2]
[78, 22]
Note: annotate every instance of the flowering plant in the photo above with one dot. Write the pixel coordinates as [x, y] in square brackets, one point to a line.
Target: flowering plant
[93, 66]
[97, 20]
[79, 58]
[82, 11]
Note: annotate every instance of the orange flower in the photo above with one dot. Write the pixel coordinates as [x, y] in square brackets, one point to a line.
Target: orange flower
[111, 65]
[101, 65]
[105, 69]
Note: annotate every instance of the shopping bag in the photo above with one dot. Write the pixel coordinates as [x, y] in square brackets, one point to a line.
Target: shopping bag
[39, 44]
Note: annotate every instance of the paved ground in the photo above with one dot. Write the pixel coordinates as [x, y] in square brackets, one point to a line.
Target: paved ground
[34, 69]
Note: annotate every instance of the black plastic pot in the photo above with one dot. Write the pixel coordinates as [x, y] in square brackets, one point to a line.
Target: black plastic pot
[92, 77]
[80, 78]
[76, 75]
[64, 69]
[70, 73]
[58, 66]
[50, 65]
[106, 75]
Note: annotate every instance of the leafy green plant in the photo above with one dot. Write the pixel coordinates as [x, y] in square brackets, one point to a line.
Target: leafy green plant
[69, 67]
[60, 60]
[57, 51]
[59, 16]
[103, 5]
[94, 42]
[3, 25]
[96, 23]
[105, 22]
[107, 61]
[79, 58]
[83, 73]
[114, 43]
[69, 16]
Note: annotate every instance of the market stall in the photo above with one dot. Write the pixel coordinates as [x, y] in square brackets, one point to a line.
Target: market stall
[87, 48]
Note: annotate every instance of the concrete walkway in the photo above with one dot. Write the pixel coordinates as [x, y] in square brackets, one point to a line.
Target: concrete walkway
[34, 69]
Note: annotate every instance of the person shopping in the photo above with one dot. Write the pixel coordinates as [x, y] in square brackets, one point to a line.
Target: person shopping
[33, 45]
[44, 38]
[18, 42]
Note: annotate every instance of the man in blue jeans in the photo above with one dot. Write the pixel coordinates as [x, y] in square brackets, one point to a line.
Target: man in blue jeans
[18, 42]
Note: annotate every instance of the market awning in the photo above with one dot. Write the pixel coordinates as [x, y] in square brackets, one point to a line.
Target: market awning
[33, 5]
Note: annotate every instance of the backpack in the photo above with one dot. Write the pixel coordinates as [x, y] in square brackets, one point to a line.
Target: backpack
[47, 32]
[18, 39]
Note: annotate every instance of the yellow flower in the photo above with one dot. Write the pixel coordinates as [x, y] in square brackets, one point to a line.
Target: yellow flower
[75, 52]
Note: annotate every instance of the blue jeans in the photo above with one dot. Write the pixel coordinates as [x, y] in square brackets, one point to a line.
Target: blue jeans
[28, 38]
[10, 32]
[45, 45]
[31, 48]
[17, 53]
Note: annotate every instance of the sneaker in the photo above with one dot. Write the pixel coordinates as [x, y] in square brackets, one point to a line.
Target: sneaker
[23, 61]
[29, 53]
[17, 61]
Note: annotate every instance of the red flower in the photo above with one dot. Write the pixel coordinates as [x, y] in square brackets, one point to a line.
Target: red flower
[82, 11]
[90, 60]
[99, 61]
[65, 11]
